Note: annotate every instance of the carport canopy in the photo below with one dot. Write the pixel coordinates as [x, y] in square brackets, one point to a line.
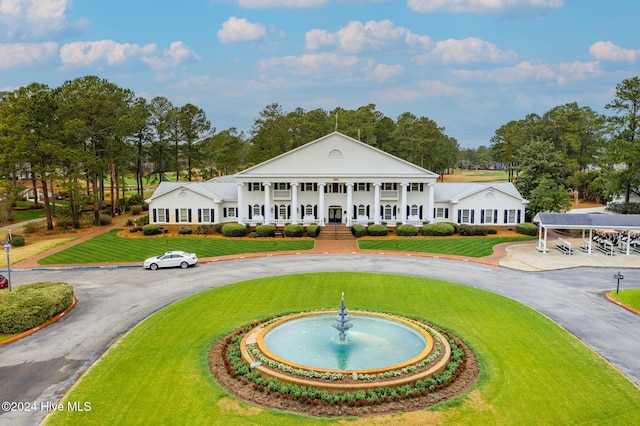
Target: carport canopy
[593, 221]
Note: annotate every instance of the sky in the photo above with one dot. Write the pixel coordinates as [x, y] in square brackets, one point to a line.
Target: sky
[469, 65]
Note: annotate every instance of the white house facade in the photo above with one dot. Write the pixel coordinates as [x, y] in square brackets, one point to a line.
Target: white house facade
[335, 180]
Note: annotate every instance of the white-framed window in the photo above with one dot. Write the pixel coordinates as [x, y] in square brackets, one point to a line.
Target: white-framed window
[282, 211]
[231, 212]
[414, 210]
[362, 210]
[388, 186]
[184, 215]
[161, 215]
[308, 186]
[206, 215]
[336, 188]
[440, 212]
[415, 186]
[388, 211]
[512, 215]
[362, 186]
[308, 210]
[281, 186]
[488, 216]
[255, 186]
[465, 216]
[257, 211]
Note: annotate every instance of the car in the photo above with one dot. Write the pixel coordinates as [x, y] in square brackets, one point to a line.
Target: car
[4, 282]
[171, 259]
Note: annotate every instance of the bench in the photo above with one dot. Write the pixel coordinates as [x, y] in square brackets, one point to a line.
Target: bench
[278, 233]
[564, 246]
[606, 247]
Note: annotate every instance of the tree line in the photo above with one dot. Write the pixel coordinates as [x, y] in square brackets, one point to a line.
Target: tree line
[84, 137]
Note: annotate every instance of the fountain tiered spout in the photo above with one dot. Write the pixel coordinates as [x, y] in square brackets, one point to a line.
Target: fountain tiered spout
[343, 321]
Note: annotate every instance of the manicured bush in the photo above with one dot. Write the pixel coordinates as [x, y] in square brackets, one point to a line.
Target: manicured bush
[64, 222]
[437, 229]
[491, 231]
[407, 230]
[265, 230]
[527, 228]
[313, 230]
[136, 210]
[377, 230]
[135, 200]
[471, 230]
[253, 234]
[293, 230]
[31, 227]
[234, 230]
[105, 219]
[205, 229]
[17, 241]
[142, 220]
[455, 226]
[30, 305]
[136, 229]
[185, 231]
[217, 227]
[358, 230]
[151, 230]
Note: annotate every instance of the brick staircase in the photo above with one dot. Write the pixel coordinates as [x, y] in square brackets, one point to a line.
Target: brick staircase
[335, 232]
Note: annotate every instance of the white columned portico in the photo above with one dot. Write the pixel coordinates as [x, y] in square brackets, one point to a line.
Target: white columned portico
[349, 202]
[432, 203]
[294, 203]
[403, 203]
[320, 218]
[240, 204]
[376, 202]
[267, 202]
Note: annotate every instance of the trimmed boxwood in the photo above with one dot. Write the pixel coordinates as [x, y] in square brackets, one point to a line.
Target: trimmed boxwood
[313, 230]
[471, 230]
[151, 229]
[437, 229]
[358, 230]
[30, 305]
[527, 228]
[17, 241]
[234, 230]
[293, 230]
[407, 230]
[185, 231]
[265, 230]
[377, 230]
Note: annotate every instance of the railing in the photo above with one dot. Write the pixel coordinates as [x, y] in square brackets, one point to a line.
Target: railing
[281, 194]
[389, 194]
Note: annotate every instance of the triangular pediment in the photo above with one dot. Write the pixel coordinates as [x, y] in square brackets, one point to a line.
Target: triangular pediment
[335, 155]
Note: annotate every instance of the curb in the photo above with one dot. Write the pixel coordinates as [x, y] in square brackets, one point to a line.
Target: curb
[622, 305]
[43, 325]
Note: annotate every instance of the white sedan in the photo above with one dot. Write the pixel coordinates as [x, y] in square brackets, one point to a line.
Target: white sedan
[171, 259]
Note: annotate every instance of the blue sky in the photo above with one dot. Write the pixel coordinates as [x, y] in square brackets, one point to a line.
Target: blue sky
[470, 65]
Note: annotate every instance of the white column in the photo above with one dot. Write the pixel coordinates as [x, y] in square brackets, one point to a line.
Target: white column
[240, 204]
[432, 203]
[294, 203]
[321, 203]
[403, 203]
[376, 202]
[349, 202]
[267, 202]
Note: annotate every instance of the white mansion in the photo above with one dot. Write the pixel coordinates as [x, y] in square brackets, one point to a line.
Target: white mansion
[335, 180]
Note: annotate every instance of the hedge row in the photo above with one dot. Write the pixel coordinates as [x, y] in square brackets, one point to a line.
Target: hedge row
[527, 229]
[30, 305]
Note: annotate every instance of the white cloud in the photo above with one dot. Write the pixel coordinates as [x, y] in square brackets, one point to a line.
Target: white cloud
[33, 18]
[607, 51]
[383, 72]
[372, 35]
[25, 54]
[236, 30]
[82, 53]
[264, 4]
[316, 63]
[523, 72]
[176, 54]
[480, 6]
[434, 88]
[468, 50]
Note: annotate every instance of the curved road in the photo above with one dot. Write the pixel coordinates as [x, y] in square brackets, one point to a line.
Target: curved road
[40, 368]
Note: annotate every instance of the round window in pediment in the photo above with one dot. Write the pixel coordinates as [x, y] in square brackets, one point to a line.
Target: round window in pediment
[335, 153]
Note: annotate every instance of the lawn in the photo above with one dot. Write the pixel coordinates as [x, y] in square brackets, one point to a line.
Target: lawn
[628, 297]
[463, 246]
[109, 247]
[27, 213]
[533, 372]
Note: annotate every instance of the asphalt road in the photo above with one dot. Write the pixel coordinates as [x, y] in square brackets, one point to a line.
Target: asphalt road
[40, 368]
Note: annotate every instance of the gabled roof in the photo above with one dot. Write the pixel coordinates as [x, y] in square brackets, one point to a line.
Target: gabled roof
[336, 155]
[217, 191]
[455, 191]
[588, 221]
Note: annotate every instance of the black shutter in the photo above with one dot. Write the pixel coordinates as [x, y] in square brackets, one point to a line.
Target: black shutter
[472, 216]
[434, 212]
[315, 211]
[368, 187]
[355, 211]
[381, 210]
[409, 188]
[302, 187]
[421, 187]
[189, 215]
[506, 216]
[481, 216]
[302, 212]
[155, 215]
[446, 213]
[408, 211]
[368, 211]
[275, 212]
[177, 215]
[459, 216]
[199, 215]
[250, 212]
[250, 185]
[289, 210]
[262, 210]
[224, 212]
[236, 209]
[315, 187]
[212, 215]
[355, 187]
[420, 213]
[519, 213]
[395, 210]
[495, 216]
[326, 188]
[166, 215]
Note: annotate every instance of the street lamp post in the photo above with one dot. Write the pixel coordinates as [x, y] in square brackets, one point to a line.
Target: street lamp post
[7, 247]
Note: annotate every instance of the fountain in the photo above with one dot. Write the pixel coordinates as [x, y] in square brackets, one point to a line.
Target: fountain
[342, 323]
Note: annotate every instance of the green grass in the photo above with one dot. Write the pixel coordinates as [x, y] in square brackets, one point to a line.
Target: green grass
[28, 214]
[109, 247]
[471, 246]
[628, 297]
[533, 372]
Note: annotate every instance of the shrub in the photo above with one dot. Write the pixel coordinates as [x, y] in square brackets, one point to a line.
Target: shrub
[377, 230]
[143, 220]
[313, 230]
[293, 230]
[234, 230]
[253, 234]
[217, 227]
[624, 208]
[455, 226]
[151, 230]
[358, 230]
[31, 227]
[265, 230]
[527, 228]
[471, 230]
[135, 200]
[492, 231]
[136, 229]
[407, 230]
[105, 220]
[64, 222]
[17, 241]
[30, 305]
[438, 229]
[136, 210]
[205, 229]
[185, 231]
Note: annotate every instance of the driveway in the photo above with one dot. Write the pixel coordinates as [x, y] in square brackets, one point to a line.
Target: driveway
[40, 368]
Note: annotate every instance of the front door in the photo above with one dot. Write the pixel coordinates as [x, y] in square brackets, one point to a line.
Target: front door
[335, 214]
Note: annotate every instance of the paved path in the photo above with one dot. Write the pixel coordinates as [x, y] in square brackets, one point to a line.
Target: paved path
[41, 368]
